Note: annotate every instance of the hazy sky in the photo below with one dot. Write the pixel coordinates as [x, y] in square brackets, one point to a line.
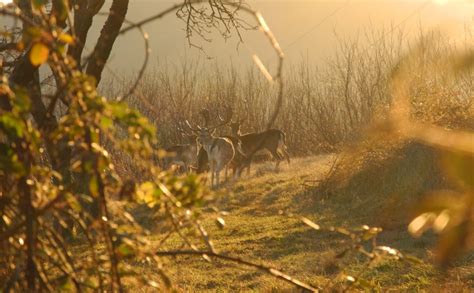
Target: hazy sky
[294, 23]
[303, 27]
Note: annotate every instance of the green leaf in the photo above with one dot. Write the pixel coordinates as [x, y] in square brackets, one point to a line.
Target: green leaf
[62, 8]
[125, 250]
[105, 122]
[38, 3]
[94, 186]
[92, 281]
[73, 203]
[30, 35]
[12, 125]
[65, 284]
[118, 110]
[22, 100]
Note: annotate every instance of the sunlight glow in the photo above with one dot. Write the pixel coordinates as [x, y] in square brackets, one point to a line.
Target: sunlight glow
[441, 2]
[5, 2]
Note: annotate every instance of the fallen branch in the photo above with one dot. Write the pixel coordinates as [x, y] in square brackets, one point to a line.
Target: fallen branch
[274, 272]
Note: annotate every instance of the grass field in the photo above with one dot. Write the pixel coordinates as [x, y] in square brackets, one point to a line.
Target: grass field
[260, 228]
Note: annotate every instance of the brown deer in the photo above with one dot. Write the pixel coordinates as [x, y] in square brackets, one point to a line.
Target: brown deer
[220, 150]
[183, 155]
[238, 163]
[188, 156]
[272, 140]
[240, 160]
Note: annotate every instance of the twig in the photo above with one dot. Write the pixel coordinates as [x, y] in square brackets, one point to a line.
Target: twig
[274, 272]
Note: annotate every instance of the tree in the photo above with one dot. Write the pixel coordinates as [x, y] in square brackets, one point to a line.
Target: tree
[54, 169]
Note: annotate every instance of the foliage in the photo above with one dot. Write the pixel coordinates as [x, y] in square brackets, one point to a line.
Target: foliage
[37, 201]
[67, 216]
[421, 146]
[58, 178]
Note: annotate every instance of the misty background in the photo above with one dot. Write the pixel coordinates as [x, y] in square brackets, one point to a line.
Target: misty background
[305, 29]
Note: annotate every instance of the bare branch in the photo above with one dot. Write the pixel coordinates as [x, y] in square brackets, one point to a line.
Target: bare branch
[274, 272]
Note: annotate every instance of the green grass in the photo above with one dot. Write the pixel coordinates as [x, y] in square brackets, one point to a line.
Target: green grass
[259, 228]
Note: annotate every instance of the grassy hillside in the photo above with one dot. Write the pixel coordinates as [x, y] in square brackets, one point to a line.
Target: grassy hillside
[260, 227]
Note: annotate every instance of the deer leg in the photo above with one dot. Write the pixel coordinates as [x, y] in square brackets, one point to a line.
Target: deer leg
[179, 167]
[212, 174]
[277, 157]
[247, 164]
[286, 155]
[238, 171]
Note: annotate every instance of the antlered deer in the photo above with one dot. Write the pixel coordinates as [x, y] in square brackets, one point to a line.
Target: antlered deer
[220, 150]
[272, 140]
[189, 155]
[240, 160]
[238, 163]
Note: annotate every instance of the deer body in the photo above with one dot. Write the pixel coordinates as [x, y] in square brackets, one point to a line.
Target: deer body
[220, 152]
[181, 154]
[240, 160]
[272, 140]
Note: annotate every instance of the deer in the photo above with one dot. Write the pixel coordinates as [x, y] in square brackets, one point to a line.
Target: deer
[183, 155]
[220, 150]
[240, 160]
[273, 140]
[188, 155]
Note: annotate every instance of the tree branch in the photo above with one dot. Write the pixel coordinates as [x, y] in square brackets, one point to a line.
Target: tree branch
[274, 272]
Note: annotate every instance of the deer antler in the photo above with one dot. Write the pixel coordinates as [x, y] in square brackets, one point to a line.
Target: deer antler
[225, 120]
[192, 128]
[182, 129]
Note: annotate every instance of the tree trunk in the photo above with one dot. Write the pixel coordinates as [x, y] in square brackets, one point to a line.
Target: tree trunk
[107, 37]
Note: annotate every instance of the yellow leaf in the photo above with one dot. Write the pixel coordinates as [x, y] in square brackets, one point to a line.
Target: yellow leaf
[66, 38]
[145, 194]
[39, 54]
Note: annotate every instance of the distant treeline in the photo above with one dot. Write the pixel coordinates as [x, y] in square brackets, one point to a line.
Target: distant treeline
[324, 106]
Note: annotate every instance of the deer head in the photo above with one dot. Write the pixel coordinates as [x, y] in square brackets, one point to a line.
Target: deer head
[235, 127]
[205, 133]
